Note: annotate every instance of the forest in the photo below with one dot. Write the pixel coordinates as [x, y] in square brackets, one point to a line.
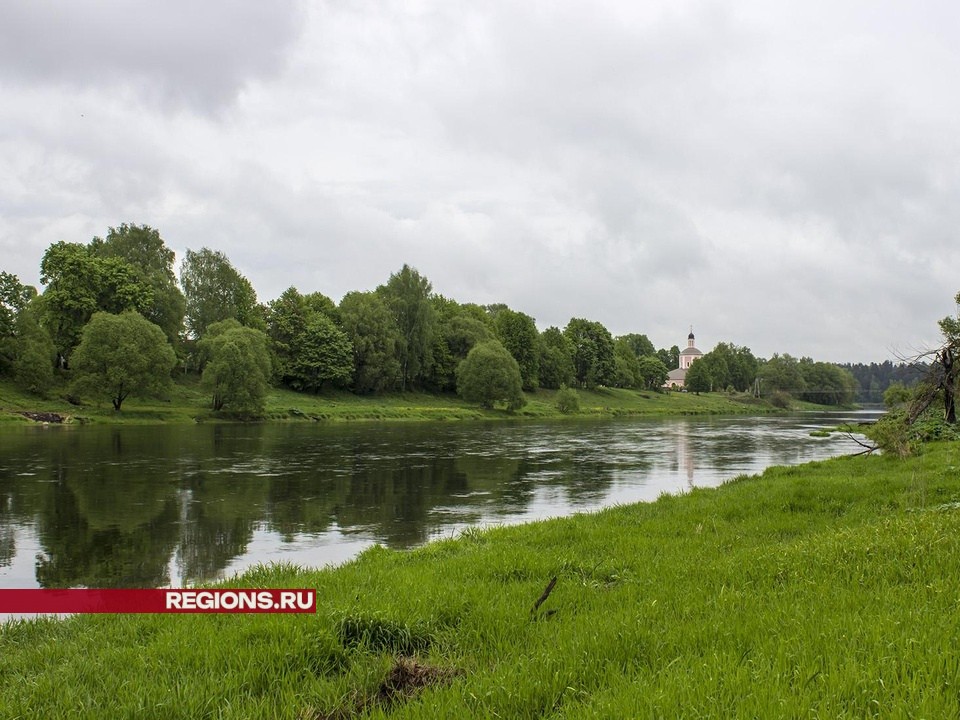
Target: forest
[117, 318]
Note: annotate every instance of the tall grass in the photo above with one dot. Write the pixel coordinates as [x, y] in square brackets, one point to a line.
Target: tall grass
[826, 590]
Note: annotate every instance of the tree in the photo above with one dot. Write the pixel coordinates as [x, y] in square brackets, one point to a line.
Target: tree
[120, 355]
[698, 378]
[556, 359]
[373, 335]
[141, 247]
[626, 365]
[639, 344]
[948, 358]
[593, 358]
[458, 329]
[238, 369]
[323, 355]
[407, 295]
[214, 291]
[34, 354]
[781, 373]
[14, 297]
[517, 332]
[653, 373]
[490, 374]
[79, 284]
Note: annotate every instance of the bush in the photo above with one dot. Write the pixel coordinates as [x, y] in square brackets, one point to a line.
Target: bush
[568, 402]
[490, 374]
[780, 399]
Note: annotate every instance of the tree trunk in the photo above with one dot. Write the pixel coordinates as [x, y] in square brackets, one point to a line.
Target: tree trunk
[949, 385]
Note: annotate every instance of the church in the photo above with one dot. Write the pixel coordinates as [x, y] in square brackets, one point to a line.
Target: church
[677, 378]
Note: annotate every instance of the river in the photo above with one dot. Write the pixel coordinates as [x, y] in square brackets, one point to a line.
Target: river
[100, 506]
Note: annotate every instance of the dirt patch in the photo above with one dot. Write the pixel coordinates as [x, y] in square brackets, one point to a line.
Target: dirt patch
[44, 417]
[406, 678]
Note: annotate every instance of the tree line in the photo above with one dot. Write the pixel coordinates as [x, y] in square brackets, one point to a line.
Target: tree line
[115, 319]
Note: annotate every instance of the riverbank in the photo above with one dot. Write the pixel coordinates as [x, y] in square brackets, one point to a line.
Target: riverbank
[188, 403]
[827, 589]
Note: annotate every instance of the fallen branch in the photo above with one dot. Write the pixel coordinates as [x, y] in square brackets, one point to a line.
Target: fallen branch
[543, 598]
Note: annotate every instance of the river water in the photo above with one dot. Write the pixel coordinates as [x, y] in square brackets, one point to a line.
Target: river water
[88, 506]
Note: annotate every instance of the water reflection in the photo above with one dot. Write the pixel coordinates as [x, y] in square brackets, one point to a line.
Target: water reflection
[141, 507]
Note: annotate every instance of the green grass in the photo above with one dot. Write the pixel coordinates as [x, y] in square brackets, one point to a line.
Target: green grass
[187, 403]
[824, 590]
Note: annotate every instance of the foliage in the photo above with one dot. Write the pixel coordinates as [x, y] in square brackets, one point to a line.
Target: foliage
[556, 359]
[517, 332]
[653, 373]
[458, 329]
[34, 353]
[238, 370]
[214, 291]
[593, 358]
[407, 295]
[626, 364]
[373, 336]
[309, 349]
[79, 283]
[896, 394]
[14, 298]
[567, 401]
[141, 247]
[826, 384]
[780, 399]
[120, 355]
[731, 366]
[873, 379]
[323, 356]
[699, 378]
[781, 372]
[639, 345]
[490, 374]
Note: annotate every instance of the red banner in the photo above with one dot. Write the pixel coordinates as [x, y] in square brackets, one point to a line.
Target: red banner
[183, 600]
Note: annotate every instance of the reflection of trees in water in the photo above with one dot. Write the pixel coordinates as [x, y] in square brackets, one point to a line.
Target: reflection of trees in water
[217, 521]
[77, 552]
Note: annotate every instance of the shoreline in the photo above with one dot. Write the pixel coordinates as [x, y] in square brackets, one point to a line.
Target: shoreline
[773, 594]
[188, 405]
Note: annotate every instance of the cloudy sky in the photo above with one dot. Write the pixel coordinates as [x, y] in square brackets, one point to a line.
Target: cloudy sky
[781, 175]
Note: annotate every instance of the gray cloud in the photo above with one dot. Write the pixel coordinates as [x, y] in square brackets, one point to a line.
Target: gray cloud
[779, 176]
[179, 53]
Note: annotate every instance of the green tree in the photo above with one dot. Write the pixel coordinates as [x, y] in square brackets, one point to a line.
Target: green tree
[626, 372]
[556, 359]
[948, 362]
[237, 372]
[407, 294]
[781, 373]
[14, 297]
[458, 329]
[490, 374]
[141, 247]
[653, 373]
[517, 332]
[698, 378]
[896, 395]
[593, 359]
[323, 355]
[215, 291]
[34, 353]
[120, 355]
[639, 344]
[374, 337]
[78, 284]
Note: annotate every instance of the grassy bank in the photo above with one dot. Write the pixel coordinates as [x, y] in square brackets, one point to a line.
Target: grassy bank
[188, 403]
[825, 590]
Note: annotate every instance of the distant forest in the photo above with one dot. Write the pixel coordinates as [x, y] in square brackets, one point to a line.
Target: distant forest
[115, 319]
[875, 378]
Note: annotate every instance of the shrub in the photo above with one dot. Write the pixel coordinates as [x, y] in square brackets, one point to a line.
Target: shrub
[567, 402]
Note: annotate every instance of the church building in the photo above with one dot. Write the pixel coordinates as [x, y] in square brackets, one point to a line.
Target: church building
[677, 378]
